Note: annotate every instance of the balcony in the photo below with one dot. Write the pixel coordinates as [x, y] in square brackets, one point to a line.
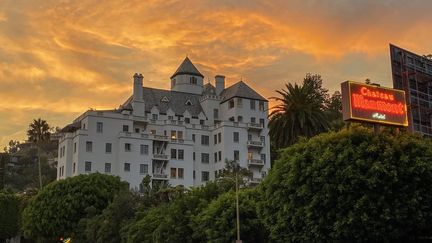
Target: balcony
[160, 176]
[255, 181]
[255, 162]
[160, 138]
[256, 144]
[255, 126]
[160, 157]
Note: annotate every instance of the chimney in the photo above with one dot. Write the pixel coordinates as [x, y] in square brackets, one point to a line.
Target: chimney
[138, 87]
[138, 98]
[220, 83]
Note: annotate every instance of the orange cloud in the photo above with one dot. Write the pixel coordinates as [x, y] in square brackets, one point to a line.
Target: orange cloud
[58, 58]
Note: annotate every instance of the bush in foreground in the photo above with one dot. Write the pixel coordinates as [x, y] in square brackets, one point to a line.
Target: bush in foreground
[57, 209]
[351, 186]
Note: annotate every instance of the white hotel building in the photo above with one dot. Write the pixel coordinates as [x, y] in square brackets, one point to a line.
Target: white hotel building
[182, 136]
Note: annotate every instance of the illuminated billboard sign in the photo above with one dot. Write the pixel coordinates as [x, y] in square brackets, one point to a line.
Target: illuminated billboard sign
[370, 103]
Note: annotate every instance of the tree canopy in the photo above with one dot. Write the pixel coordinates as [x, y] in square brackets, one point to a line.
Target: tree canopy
[350, 186]
[56, 210]
[10, 215]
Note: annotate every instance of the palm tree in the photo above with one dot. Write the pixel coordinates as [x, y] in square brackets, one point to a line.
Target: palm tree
[38, 133]
[299, 113]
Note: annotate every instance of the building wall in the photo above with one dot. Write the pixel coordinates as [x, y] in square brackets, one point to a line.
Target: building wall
[190, 143]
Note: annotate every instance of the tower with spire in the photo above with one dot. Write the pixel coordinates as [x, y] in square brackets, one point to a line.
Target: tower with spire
[187, 78]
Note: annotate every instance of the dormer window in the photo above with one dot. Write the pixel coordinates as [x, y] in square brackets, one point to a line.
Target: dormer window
[188, 102]
[165, 99]
[193, 80]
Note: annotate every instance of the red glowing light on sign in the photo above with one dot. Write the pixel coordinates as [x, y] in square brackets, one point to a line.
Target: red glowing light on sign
[368, 103]
[361, 101]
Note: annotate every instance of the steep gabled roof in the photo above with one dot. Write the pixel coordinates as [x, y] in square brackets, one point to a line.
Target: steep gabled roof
[177, 100]
[241, 90]
[187, 67]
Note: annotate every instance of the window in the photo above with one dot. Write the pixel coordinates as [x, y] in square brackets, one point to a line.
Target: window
[263, 158]
[108, 148]
[220, 155]
[252, 104]
[173, 135]
[201, 122]
[205, 158]
[261, 105]
[204, 140]
[137, 130]
[193, 155]
[215, 139]
[188, 102]
[89, 146]
[215, 157]
[215, 113]
[107, 167]
[179, 134]
[219, 137]
[261, 122]
[154, 116]
[180, 173]
[128, 147]
[75, 147]
[236, 155]
[126, 166]
[125, 128]
[239, 102]
[74, 168]
[236, 137]
[231, 104]
[87, 166]
[253, 120]
[99, 127]
[187, 120]
[216, 174]
[153, 132]
[262, 138]
[173, 154]
[193, 175]
[249, 137]
[170, 117]
[205, 176]
[173, 173]
[193, 80]
[143, 169]
[144, 149]
[180, 154]
[240, 119]
[250, 155]
[193, 138]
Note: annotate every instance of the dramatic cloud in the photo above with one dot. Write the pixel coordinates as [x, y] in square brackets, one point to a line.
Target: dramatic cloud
[58, 58]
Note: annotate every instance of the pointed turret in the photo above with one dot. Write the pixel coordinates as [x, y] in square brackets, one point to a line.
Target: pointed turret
[187, 78]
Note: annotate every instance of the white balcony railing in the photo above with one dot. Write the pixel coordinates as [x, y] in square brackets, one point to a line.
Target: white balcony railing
[251, 143]
[160, 156]
[255, 162]
[257, 126]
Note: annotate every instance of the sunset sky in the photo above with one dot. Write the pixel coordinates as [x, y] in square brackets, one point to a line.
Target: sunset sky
[58, 58]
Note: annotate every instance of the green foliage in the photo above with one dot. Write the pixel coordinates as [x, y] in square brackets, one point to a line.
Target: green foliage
[172, 220]
[58, 208]
[217, 222]
[350, 186]
[300, 112]
[106, 226]
[10, 215]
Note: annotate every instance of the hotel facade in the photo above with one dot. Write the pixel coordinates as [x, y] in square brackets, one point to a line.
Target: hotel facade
[182, 136]
[413, 73]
